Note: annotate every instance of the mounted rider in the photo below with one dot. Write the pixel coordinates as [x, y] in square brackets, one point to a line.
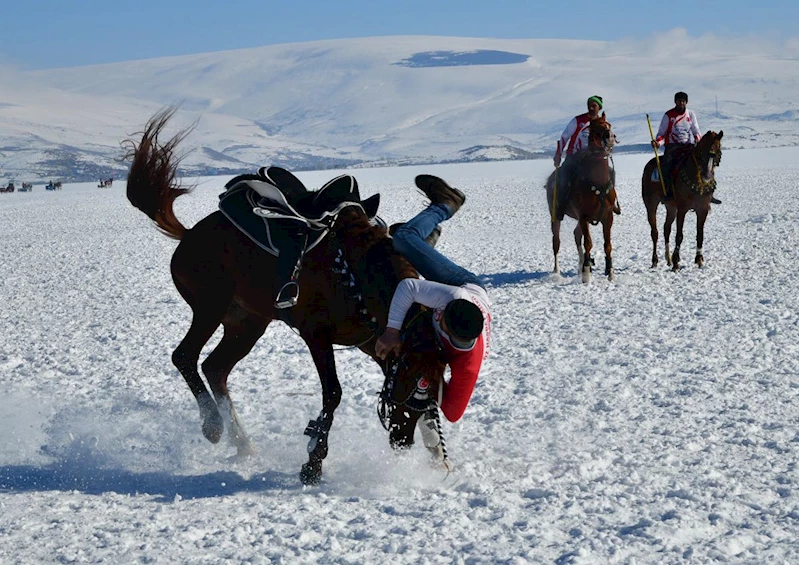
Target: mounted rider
[573, 141]
[679, 130]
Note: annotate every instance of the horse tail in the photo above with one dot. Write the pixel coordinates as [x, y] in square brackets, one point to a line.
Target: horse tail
[152, 183]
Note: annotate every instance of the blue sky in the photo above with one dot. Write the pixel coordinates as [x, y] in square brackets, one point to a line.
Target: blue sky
[53, 33]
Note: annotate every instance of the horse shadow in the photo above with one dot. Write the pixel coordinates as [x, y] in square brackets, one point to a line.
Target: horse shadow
[164, 486]
[514, 278]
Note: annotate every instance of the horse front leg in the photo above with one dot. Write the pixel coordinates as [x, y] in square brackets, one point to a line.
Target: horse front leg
[652, 216]
[319, 429]
[671, 214]
[701, 216]
[578, 241]
[675, 258]
[556, 244]
[588, 245]
[606, 227]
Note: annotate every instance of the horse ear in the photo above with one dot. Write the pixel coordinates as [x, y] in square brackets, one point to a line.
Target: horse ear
[721, 134]
[603, 114]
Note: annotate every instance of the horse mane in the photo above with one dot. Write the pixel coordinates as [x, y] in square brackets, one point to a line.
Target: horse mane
[370, 251]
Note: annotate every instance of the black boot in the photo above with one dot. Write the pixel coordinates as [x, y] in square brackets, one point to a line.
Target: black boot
[714, 200]
[439, 192]
[431, 239]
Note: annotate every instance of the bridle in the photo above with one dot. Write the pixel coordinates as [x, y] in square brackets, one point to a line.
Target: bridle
[397, 365]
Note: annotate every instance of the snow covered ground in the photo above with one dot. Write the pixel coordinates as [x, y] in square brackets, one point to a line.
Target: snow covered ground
[654, 419]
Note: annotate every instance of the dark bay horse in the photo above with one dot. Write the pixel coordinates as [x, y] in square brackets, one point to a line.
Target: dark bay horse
[693, 185]
[592, 198]
[346, 285]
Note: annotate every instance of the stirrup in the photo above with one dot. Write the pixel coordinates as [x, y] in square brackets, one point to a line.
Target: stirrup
[288, 295]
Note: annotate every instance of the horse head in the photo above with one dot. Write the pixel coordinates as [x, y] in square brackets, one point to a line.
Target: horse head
[600, 135]
[707, 154]
[420, 357]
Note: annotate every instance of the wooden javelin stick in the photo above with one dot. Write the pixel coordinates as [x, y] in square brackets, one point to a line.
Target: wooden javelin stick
[657, 159]
[555, 193]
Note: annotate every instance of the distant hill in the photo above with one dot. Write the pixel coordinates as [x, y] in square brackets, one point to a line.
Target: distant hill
[390, 100]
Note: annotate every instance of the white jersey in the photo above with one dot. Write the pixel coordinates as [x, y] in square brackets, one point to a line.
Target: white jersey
[678, 128]
[437, 295]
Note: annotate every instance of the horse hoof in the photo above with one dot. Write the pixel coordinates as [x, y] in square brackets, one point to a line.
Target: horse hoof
[311, 473]
[213, 426]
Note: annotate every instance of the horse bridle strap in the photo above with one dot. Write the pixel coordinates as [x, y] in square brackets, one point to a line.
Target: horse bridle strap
[702, 186]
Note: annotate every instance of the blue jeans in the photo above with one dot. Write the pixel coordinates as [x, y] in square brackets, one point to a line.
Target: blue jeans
[432, 265]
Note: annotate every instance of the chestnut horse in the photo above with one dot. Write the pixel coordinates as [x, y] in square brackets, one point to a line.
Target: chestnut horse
[592, 198]
[346, 285]
[693, 185]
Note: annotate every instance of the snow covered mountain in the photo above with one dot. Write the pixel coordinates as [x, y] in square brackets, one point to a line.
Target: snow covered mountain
[391, 100]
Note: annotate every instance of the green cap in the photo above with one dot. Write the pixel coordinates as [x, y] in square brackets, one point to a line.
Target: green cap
[597, 99]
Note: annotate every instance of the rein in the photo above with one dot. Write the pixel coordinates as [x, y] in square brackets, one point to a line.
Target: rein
[352, 291]
[606, 153]
[393, 366]
[702, 186]
[385, 401]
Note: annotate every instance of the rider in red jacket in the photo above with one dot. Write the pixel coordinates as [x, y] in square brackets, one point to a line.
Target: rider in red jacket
[462, 309]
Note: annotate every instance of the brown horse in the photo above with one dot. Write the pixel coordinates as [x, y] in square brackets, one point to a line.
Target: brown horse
[592, 198]
[693, 185]
[346, 285]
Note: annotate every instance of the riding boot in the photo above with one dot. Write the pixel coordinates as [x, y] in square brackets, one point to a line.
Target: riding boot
[714, 200]
[431, 239]
[668, 198]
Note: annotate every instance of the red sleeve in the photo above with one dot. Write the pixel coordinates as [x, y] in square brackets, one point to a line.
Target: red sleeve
[465, 368]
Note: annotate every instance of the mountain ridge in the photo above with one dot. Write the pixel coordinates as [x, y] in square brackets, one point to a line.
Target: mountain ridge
[391, 100]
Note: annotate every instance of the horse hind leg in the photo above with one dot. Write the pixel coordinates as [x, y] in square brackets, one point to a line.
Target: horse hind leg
[185, 357]
[238, 340]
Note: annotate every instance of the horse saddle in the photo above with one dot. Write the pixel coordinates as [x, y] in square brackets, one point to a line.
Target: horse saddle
[273, 206]
[277, 212]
